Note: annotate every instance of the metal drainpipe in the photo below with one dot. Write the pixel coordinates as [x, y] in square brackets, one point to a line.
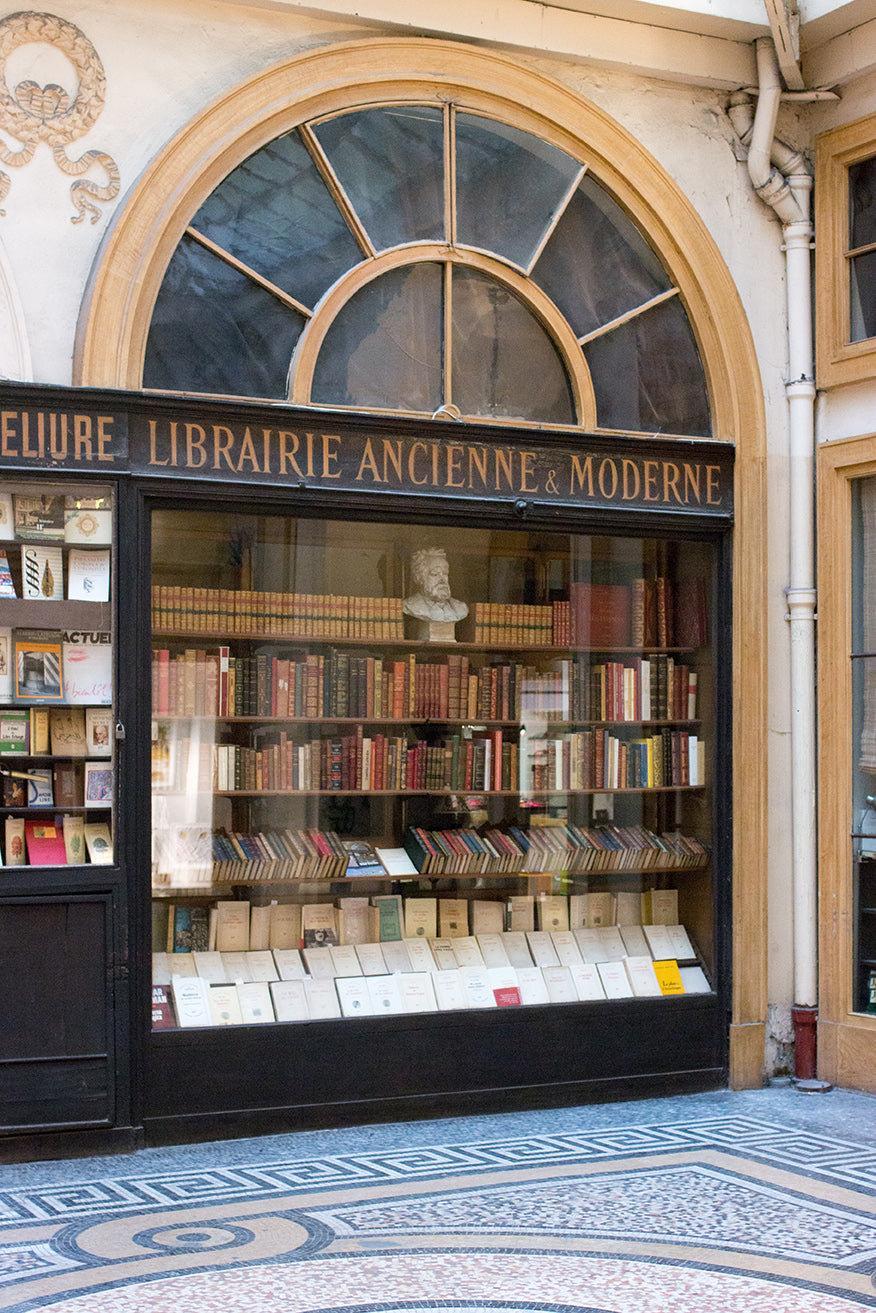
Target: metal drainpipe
[787, 190]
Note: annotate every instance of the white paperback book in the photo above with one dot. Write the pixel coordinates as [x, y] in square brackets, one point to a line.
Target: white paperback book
[160, 969]
[88, 575]
[42, 572]
[476, 983]
[210, 967]
[254, 997]
[530, 982]
[566, 947]
[87, 520]
[615, 980]
[683, 949]
[443, 954]
[466, 951]
[261, 964]
[354, 997]
[416, 991]
[589, 945]
[396, 862]
[420, 955]
[319, 963]
[395, 956]
[634, 941]
[559, 984]
[542, 948]
[506, 990]
[290, 1000]
[659, 942]
[493, 950]
[191, 1001]
[517, 948]
[372, 958]
[449, 993]
[322, 999]
[642, 979]
[225, 1005]
[612, 944]
[345, 960]
[236, 968]
[182, 964]
[385, 995]
[585, 978]
[88, 667]
[694, 980]
[288, 963]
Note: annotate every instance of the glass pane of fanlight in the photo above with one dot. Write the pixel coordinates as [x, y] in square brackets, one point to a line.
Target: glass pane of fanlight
[509, 186]
[504, 362]
[215, 330]
[390, 163]
[383, 350]
[648, 377]
[597, 266]
[275, 214]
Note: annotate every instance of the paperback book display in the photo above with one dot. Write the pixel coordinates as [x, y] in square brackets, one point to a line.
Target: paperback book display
[249, 964]
[496, 794]
[56, 678]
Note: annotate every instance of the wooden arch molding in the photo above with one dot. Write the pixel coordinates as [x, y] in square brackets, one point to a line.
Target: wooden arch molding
[119, 301]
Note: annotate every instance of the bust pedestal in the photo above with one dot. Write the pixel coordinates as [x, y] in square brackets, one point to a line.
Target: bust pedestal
[432, 631]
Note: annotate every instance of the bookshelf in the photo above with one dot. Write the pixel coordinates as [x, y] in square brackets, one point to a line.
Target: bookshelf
[57, 743]
[315, 744]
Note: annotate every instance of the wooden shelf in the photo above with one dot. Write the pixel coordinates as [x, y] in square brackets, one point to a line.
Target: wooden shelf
[36, 613]
[410, 644]
[436, 793]
[54, 810]
[182, 718]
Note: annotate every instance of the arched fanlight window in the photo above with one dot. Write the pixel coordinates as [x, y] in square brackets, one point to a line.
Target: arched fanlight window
[405, 258]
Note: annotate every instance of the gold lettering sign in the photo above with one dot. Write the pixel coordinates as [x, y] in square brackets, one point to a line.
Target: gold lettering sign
[373, 461]
[193, 443]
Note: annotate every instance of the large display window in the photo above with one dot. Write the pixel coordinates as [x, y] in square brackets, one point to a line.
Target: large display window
[403, 768]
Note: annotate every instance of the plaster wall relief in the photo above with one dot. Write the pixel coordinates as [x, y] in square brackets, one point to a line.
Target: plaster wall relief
[31, 113]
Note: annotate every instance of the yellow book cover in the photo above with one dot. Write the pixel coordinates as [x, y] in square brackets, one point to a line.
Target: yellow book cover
[669, 977]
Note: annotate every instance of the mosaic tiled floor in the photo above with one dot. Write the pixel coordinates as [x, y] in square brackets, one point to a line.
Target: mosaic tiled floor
[734, 1206]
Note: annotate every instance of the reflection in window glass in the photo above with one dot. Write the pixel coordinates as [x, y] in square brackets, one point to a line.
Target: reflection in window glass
[384, 348]
[862, 203]
[597, 266]
[862, 292]
[390, 162]
[509, 186]
[275, 214]
[504, 363]
[647, 375]
[214, 330]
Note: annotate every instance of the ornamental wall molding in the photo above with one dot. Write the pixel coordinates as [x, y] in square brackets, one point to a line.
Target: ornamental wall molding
[50, 114]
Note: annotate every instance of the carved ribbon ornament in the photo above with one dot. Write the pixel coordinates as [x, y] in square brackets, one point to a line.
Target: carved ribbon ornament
[32, 113]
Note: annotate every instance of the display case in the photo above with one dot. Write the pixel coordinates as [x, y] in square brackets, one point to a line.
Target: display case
[402, 768]
[57, 725]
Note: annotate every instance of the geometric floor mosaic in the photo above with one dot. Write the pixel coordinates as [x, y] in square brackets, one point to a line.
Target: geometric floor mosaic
[712, 1214]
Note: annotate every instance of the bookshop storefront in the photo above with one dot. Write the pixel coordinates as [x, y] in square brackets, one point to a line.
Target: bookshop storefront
[371, 713]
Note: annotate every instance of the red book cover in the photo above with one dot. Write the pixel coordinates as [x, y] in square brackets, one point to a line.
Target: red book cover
[600, 615]
[162, 1010]
[507, 997]
[45, 844]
